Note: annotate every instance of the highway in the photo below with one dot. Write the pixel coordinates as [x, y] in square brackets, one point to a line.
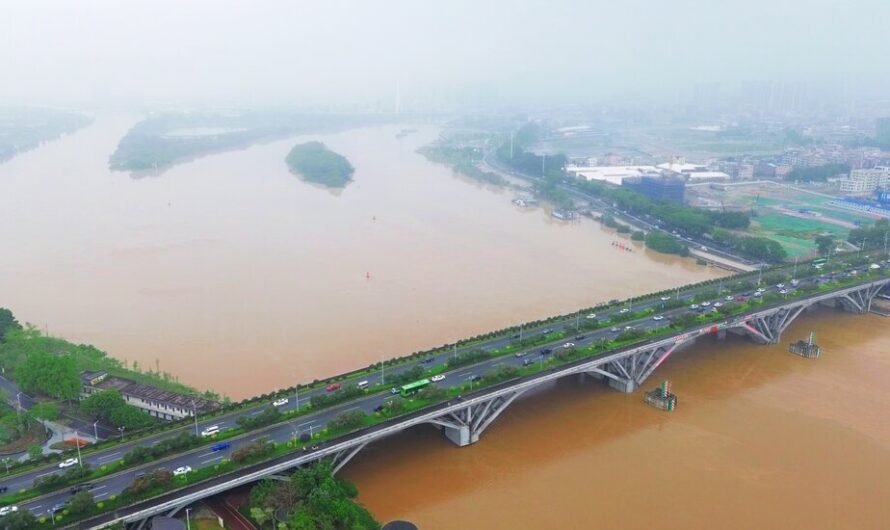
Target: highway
[204, 456]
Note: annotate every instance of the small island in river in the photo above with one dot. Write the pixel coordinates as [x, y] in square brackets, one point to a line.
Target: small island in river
[314, 162]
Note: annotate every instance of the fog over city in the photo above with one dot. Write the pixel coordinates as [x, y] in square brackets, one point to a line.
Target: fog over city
[437, 53]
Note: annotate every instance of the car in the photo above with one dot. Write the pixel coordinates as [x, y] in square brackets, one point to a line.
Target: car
[361, 385]
[546, 351]
[739, 298]
[580, 337]
[3, 489]
[705, 304]
[693, 307]
[314, 448]
[182, 470]
[665, 298]
[628, 328]
[658, 317]
[547, 330]
[475, 377]
[213, 430]
[378, 408]
[729, 298]
[520, 354]
[760, 290]
[568, 345]
[780, 286]
[58, 507]
[591, 316]
[615, 329]
[758, 294]
[854, 272]
[783, 291]
[624, 311]
[718, 304]
[437, 378]
[81, 487]
[428, 361]
[221, 446]
[795, 283]
[68, 463]
[139, 475]
[874, 266]
[279, 402]
[333, 387]
[393, 390]
[6, 510]
[527, 362]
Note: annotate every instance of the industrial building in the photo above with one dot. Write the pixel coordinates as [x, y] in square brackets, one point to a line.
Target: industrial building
[658, 188]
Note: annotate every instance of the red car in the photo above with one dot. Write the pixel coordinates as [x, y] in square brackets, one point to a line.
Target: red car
[334, 387]
[739, 298]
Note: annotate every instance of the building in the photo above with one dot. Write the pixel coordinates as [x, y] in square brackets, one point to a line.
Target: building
[691, 172]
[611, 174]
[658, 188]
[866, 181]
[156, 402]
[746, 171]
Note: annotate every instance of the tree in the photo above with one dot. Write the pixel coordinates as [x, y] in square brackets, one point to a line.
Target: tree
[20, 520]
[81, 502]
[825, 244]
[35, 451]
[110, 406]
[52, 375]
[259, 515]
[7, 321]
[44, 411]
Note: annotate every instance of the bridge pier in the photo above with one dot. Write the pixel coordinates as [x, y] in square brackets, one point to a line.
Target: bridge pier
[460, 435]
[464, 426]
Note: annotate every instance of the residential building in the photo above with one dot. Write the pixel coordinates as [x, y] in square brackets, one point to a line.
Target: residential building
[159, 403]
[866, 181]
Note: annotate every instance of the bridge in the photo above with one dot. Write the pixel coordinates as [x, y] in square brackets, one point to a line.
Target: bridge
[463, 419]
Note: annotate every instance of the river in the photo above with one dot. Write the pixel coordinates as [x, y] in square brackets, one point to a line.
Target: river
[760, 439]
[233, 274]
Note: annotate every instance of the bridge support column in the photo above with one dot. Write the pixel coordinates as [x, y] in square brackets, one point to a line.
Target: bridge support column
[768, 329]
[628, 373]
[464, 427]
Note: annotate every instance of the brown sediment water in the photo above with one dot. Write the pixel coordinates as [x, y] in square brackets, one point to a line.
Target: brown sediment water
[761, 438]
[233, 274]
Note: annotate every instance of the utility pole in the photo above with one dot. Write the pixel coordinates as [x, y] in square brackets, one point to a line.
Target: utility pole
[77, 443]
[297, 396]
[194, 415]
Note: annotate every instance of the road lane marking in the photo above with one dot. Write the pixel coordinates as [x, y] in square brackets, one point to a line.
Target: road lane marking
[113, 455]
[217, 457]
[45, 474]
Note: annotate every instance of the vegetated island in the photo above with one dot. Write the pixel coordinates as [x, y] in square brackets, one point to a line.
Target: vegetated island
[314, 162]
[22, 129]
[164, 140]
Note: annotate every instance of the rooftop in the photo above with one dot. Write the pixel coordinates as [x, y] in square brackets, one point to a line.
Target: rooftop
[103, 381]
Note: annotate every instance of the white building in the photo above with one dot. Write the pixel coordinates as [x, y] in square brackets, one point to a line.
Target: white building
[156, 402]
[611, 174]
[691, 172]
[865, 181]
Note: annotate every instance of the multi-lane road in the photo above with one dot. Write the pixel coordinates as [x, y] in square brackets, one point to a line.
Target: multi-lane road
[206, 456]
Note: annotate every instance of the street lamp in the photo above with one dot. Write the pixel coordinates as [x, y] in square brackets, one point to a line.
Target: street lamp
[195, 415]
[18, 398]
[77, 444]
[188, 523]
[122, 428]
[96, 431]
[297, 396]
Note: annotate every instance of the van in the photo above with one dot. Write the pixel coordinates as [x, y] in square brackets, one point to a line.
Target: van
[362, 385]
[210, 431]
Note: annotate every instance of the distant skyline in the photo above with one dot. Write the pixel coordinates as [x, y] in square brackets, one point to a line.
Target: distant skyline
[338, 52]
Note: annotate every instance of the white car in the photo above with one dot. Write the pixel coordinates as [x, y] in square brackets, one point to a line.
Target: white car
[591, 315]
[783, 291]
[665, 298]
[780, 286]
[568, 345]
[624, 310]
[705, 304]
[182, 470]
[693, 306]
[658, 317]
[718, 304]
[279, 402]
[729, 299]
[6, 510]
[68, 463]
[437, 378]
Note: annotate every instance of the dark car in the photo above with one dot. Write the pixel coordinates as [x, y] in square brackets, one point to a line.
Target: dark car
[378, 408]
[139, 475]
[546, 351]
[527, 362]
[475, 377]
[3, 489]
[81, 487]
[581, 337]
[547, 330]
[428, 361]
[220, 446]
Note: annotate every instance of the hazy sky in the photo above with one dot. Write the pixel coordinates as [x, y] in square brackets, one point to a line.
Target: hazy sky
[222, 52]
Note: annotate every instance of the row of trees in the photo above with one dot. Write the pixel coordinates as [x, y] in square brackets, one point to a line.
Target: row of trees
[817, 173]
[110, 407]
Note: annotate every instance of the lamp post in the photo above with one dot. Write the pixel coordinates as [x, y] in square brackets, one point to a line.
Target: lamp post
[18, 398]
[122, 428]
[195, 415]
[297, 396]
[77, 444]
[96, 431]
[188, 523]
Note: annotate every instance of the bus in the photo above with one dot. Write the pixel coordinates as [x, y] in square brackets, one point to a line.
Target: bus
[412, 388]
